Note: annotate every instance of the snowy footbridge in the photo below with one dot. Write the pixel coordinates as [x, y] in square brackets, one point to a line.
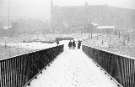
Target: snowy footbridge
[73, 68]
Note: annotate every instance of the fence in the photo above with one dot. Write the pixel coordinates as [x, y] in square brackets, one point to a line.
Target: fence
[16, 71]
[119, 67]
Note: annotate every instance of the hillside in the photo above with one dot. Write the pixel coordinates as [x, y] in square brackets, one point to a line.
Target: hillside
[23, 26]
[75, 16]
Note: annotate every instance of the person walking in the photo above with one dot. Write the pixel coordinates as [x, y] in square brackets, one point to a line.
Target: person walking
[57, 41]
[74, 44]
[79, 44]
[70, 44]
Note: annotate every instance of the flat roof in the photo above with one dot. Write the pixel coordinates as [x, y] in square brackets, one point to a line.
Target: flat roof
[105, 27]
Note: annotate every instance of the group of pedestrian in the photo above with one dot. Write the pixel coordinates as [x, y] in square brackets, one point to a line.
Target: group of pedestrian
[72, 44]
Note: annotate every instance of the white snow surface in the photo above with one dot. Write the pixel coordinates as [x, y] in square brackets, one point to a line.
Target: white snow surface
[32, 46]
[72, 68]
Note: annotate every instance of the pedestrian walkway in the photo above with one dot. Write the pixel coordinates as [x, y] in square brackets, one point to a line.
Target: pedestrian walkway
[73, 68]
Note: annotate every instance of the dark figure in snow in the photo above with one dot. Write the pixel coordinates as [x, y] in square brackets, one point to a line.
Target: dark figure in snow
[70, 44]
[74, 44]
[57, 41]
[79, 44]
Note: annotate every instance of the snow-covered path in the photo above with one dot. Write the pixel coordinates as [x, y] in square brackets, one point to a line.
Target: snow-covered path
[72, 69]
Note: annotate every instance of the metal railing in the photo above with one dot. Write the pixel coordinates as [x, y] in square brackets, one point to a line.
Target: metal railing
[16, 71]
[119, 67]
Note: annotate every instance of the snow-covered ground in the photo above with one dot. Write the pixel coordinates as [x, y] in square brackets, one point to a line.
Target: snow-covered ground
[14, 49]
[112, 43]
[72, 68]
[31, 46]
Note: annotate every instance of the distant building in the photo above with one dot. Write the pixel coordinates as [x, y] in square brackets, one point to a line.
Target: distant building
[7, 27]
[79, 18]
[69, 18]
[106, 29]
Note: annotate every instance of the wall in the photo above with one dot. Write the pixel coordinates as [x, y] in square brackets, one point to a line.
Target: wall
[15, 72]
[119, 67]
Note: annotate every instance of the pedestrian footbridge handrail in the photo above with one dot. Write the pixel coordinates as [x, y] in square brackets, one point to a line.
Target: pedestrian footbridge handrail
[120, 67]
[16, 71]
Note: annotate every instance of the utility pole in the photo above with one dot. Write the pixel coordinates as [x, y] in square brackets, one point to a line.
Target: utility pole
[119, 34]
[5, 44]
[91, 35]
[8, 13]
[53, 17]
[8, 19]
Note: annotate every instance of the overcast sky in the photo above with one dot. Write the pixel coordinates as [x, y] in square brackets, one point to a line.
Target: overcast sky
[41, 8]
[119, 3]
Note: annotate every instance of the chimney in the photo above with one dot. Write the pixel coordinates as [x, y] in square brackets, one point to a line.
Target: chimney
[86, 3]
